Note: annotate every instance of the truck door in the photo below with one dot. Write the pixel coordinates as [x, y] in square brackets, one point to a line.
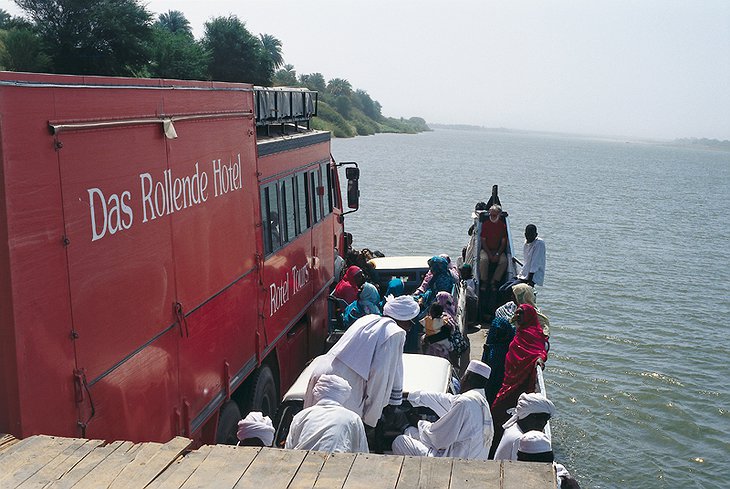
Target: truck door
[214, 243]
[122, 280]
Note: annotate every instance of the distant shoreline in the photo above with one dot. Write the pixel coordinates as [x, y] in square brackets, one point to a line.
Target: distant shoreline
[697, 143]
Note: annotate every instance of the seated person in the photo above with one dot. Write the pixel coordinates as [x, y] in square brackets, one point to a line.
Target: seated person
[464, 429]
[366, 303]
[348, 287]
[493, 242]
[327, 426]
[535, 446]
[255, 430]
[436, 338]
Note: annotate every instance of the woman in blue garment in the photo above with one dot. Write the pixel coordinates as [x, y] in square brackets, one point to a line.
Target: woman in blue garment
[395, 288]
[367, 303]
[495, 350]
[441, 281]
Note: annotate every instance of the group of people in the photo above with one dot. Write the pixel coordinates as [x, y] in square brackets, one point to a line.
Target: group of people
[495, 415]
[435, 329]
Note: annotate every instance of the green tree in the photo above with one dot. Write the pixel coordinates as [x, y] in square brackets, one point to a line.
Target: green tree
[313, 81]
[175, 22]
[343, 104]
[235, 54]
[4, 19]
[21, 50]
[286, 77]
[177, 55]
[370, 107]
[102, 37]
[272, 47]
[339, 86]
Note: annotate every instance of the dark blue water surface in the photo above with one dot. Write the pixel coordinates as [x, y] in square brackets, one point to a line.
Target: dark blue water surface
[636, 288]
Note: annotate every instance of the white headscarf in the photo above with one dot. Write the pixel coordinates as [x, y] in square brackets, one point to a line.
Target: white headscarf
[402, 308]
[256, 425]
[331, 388]
[529, 404]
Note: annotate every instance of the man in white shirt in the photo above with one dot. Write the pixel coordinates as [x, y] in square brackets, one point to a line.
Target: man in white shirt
[464, 428]
[531, 414]
[255, 430]
[533, 252]
[369, 356]
[327, 426]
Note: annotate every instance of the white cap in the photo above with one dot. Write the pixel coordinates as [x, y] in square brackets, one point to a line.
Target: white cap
[402, 308]
[534, 442]
[256, 425]
[479, 368]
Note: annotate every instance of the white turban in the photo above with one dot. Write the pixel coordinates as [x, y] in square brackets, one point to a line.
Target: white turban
[534, 442]
[256, 425]
[529, 404]
[402, 308]
[331, 388]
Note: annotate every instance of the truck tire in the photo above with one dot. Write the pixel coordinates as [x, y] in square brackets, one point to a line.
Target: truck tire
[264, 396]
[228, 418]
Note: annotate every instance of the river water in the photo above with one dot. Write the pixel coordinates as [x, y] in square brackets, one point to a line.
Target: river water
[636, 287]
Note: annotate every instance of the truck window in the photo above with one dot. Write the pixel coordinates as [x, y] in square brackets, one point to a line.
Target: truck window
[302, 201]
[270, 218]
[327, 182]
[316, 198]
[288, 204]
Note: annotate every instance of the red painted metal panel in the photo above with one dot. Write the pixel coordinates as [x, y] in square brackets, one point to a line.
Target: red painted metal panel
[137, 400]
[223, 330]
[120, 253]
[37, 357]
[287, 161]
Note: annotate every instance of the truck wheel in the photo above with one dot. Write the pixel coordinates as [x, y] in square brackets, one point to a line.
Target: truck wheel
[264, 396]
[228, 419]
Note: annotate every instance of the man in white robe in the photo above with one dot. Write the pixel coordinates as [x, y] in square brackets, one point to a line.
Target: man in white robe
[533, 252]
[464, 429]
[255, 430]
[369, 356]
[327, 426]
[531, 414]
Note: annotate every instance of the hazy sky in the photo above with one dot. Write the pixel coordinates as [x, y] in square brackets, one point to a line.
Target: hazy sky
[655, 69]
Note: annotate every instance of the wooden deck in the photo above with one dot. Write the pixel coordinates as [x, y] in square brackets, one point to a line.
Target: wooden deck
[53, 462]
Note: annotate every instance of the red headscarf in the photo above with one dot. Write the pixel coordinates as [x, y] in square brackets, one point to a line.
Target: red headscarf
[347, 287]
[519, 366]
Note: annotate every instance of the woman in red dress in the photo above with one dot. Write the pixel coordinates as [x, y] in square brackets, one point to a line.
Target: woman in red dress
[528, 347]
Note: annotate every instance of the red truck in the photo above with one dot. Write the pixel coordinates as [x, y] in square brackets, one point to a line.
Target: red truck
[165, 260]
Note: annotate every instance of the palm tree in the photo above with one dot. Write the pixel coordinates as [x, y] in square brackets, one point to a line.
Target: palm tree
[272, 46]
[175, 21]
[339, 86]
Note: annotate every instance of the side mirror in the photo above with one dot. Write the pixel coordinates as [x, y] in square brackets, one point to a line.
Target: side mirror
[353, 187]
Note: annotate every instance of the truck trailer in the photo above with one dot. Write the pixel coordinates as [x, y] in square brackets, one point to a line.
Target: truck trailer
[166, 252]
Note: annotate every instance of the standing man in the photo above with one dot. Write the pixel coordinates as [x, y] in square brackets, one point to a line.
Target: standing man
[369, 356]
[493, 243]
[327, 426]
[533, 270]
[464, 429]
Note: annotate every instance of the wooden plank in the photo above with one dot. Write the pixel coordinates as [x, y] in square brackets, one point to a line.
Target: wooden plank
[309, 470]
[473, 474]
[179, 472]
[335, 470]
[528, 475]
[425, 473]
[149, 462]
[103, 474]
[7, 441]
[223, 466]
[29, 457]
[87, 464]
[387, 468]
[62, 463]
[273, 468]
